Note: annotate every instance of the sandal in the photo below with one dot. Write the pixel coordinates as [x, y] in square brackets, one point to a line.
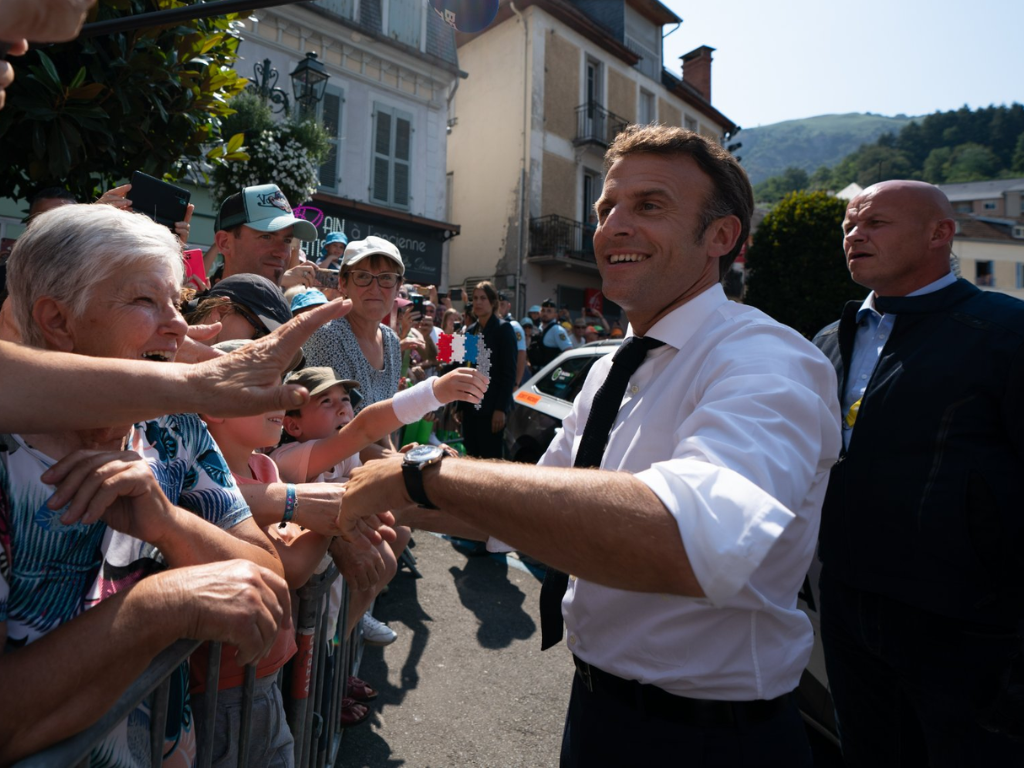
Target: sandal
[352, 713]
[360, 690]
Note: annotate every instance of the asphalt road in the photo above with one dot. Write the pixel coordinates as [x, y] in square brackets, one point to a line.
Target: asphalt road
[465, 684]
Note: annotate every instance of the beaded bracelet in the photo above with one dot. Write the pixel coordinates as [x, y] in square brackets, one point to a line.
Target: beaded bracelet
[290, 503]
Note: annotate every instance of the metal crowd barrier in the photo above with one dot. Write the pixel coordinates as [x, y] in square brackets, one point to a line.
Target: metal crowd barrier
[312, 701]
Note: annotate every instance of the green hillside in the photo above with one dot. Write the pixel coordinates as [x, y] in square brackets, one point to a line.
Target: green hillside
[810, 143]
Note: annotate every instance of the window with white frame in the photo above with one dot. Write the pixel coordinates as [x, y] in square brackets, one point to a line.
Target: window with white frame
[990, 205]
[330, 118]
[647, 113]
[392, 150]
[691, 124]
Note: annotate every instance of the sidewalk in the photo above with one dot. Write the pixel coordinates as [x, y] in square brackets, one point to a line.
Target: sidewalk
[465, 684]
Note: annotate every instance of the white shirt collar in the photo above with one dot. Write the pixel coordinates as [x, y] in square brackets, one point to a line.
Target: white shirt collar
[869, 303]
[678, 326]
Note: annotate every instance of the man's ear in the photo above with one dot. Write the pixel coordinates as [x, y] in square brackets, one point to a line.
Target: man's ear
[944, 232]
[225, 242]
[211, 419]
[721, 236]
[292, 427]
[54, 320]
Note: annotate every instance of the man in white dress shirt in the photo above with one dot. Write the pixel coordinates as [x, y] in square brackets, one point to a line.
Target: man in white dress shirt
[689, 545]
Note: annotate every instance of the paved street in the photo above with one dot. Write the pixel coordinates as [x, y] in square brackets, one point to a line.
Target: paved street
[465, 684]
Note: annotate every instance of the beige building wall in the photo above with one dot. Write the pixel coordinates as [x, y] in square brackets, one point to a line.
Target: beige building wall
[558, 194]
[561, 86]
[669, 114]
[485, 149]
[1005, 256]
[621, 95]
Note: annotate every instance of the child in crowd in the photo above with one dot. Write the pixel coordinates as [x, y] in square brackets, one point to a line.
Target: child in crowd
[329, 440]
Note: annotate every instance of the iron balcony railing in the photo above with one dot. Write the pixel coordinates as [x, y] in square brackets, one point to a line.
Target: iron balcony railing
[558, 236]
[596, 125]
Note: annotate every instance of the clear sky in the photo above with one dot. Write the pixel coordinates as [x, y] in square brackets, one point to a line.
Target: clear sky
[789, 59]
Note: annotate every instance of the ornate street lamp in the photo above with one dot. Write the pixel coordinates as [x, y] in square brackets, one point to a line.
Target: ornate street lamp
[309, 83]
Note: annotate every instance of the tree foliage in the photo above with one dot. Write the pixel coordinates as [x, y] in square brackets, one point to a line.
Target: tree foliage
[777, 187]
[796, 268]
[85, 114]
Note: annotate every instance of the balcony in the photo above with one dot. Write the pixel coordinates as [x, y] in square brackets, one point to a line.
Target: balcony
[556, 240]
[596, 125]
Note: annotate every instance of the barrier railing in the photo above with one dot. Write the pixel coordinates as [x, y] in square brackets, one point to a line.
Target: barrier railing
[312, 701]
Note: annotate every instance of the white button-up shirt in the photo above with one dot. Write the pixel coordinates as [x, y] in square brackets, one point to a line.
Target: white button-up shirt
[734, 424]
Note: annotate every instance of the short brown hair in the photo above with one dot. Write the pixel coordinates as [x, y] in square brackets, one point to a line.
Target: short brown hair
[492, 295]
[731, 193]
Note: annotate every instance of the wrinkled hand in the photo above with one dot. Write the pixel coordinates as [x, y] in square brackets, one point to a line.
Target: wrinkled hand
[375, 487]
[117, 486]
[192, 350]
[321, 509]
[497, 422]
[248, 381]
[303, 274]
[461, 384]
[232, 601]
[359, 562]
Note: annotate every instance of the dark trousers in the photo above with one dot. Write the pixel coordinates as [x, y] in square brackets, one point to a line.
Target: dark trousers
[477, 437]
[604, 730]
[908, 684]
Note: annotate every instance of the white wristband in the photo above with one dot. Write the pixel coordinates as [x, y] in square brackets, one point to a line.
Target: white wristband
[414, 403]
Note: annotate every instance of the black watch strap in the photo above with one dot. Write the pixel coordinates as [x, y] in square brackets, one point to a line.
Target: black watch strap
[413, 475]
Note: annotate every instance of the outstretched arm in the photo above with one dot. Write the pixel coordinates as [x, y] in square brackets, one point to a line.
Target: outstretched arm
[381, 419]
[110, 391]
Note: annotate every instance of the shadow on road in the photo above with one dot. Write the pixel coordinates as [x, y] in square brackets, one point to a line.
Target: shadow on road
[497, 603]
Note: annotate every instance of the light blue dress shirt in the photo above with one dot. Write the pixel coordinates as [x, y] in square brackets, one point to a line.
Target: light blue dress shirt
[873, 330]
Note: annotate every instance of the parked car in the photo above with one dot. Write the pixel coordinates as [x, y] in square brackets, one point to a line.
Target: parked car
[546, 398]
[541, 404]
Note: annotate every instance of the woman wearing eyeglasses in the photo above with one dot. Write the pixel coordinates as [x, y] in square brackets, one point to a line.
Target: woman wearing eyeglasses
[359, 346]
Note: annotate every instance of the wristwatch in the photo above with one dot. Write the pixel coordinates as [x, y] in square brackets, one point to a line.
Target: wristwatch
[416, 460]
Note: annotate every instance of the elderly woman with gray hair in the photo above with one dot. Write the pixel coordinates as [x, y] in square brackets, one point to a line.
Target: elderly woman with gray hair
[114, 542]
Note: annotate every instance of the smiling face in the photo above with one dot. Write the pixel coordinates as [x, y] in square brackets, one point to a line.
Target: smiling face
[322, 416]
[647, 252]
[896, 237]
[254, 252]
[371, 302]
[250, 432]
[135, 316]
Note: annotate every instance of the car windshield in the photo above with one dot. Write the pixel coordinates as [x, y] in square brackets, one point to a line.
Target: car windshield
[566, 379]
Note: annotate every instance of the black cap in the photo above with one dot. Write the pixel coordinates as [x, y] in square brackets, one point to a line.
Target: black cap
[258, 295]
[547, 303]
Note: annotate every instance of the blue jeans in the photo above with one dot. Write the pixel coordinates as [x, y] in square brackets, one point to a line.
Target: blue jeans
[908, 684]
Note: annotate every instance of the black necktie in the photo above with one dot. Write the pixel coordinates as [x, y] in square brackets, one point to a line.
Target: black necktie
[603, 411]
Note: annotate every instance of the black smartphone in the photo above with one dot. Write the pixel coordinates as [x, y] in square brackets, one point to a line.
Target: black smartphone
[164, 203]
[455, 294]
[417, 302]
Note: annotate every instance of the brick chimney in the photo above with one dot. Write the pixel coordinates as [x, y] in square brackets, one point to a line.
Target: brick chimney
[697, 70]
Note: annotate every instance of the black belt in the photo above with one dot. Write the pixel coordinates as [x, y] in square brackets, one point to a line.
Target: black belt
[653, 700]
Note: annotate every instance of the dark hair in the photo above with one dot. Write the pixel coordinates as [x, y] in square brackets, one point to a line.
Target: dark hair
[492, 295]
[52, 193]
[731, 193]
[548, 303]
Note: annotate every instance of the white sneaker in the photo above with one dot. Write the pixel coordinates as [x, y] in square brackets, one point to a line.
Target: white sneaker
[376, 632]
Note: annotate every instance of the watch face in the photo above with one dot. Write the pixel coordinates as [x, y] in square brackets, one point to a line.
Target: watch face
[423, 453]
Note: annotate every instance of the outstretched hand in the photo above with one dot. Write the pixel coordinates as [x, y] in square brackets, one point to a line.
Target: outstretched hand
[461, 384]
[248, 380]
